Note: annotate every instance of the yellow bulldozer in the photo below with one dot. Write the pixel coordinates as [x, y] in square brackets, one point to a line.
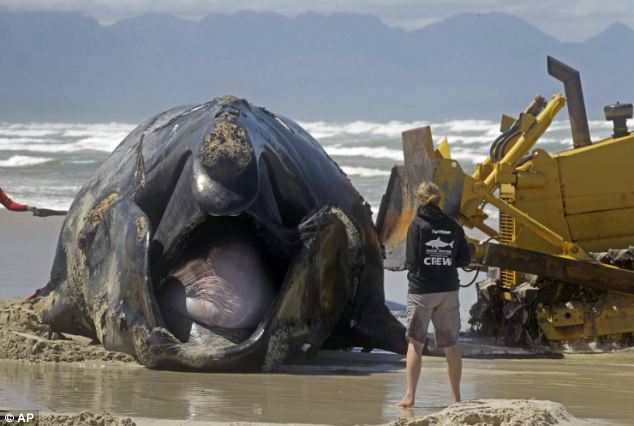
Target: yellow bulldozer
[560, 260]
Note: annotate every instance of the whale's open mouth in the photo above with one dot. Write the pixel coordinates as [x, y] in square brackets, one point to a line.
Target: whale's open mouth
[219, 285]
[220, 238]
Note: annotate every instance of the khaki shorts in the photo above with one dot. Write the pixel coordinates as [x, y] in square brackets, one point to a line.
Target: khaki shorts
[443, 309]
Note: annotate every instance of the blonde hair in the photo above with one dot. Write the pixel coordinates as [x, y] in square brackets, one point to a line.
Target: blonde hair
[428, 192]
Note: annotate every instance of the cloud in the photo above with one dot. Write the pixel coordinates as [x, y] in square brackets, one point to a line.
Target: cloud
[565, 19]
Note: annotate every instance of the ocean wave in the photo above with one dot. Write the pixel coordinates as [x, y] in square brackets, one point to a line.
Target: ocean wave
[561, 125]
[463, 126]
[95, 143]
[324, 129]
[48, 148]
[472, 131]
[365, 172]
[12, 141]
[102, 143]
[27, 133]
[467, 154]
[45, 187]
[475, 154]
[60, 127]
[365, 151]
[62, 137]
[97, 130]
[469, 140]
[394, 128]
[39, 147]
[23, 161]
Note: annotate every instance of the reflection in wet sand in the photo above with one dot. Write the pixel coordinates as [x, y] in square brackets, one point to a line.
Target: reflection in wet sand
[133, 391]
[339, 391]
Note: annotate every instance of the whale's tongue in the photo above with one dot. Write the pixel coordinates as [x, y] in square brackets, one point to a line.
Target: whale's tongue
[225, 285]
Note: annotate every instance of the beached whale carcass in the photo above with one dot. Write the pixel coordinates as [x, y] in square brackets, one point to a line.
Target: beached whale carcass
[220, 237]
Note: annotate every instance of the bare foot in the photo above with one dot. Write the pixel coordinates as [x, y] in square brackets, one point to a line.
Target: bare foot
[455, 400]
[407, 401]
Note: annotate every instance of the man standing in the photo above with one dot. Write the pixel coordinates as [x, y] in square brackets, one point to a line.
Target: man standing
[436, 247]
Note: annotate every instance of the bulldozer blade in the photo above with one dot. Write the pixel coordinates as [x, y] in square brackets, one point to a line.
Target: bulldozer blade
[399, 204]
[587, 274]
[398, 209]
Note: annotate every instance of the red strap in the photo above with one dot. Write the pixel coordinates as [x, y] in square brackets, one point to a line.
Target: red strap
[10, 204]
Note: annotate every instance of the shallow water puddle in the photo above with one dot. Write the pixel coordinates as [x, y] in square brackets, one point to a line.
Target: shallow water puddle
[339, 391]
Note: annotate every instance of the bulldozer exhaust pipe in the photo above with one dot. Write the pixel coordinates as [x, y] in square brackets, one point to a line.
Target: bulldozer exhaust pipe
[574, 96]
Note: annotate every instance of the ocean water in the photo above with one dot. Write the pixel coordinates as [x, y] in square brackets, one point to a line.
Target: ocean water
[45, 164]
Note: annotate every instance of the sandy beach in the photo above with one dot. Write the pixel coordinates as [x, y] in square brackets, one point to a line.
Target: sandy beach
[69, 376]
[26, 252]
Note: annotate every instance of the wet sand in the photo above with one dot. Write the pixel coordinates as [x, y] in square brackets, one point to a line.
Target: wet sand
[27, 248]
[337, 388]
[55, 373]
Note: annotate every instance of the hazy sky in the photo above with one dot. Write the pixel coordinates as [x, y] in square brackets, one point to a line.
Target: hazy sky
[565, 19]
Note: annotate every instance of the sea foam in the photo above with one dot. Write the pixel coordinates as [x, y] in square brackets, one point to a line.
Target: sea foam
[394, 128]
[62, 137]
[23, 161]
[365, 151]
[365, 172]
[391, 129]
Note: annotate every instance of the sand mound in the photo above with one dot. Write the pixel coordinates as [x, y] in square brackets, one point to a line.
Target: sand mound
[24, 337]
[498, 412]
[84, 418]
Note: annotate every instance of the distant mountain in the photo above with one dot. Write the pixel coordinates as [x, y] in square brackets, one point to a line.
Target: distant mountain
[65, 66]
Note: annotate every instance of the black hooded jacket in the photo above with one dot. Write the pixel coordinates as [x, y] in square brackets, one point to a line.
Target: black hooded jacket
[436, 247]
